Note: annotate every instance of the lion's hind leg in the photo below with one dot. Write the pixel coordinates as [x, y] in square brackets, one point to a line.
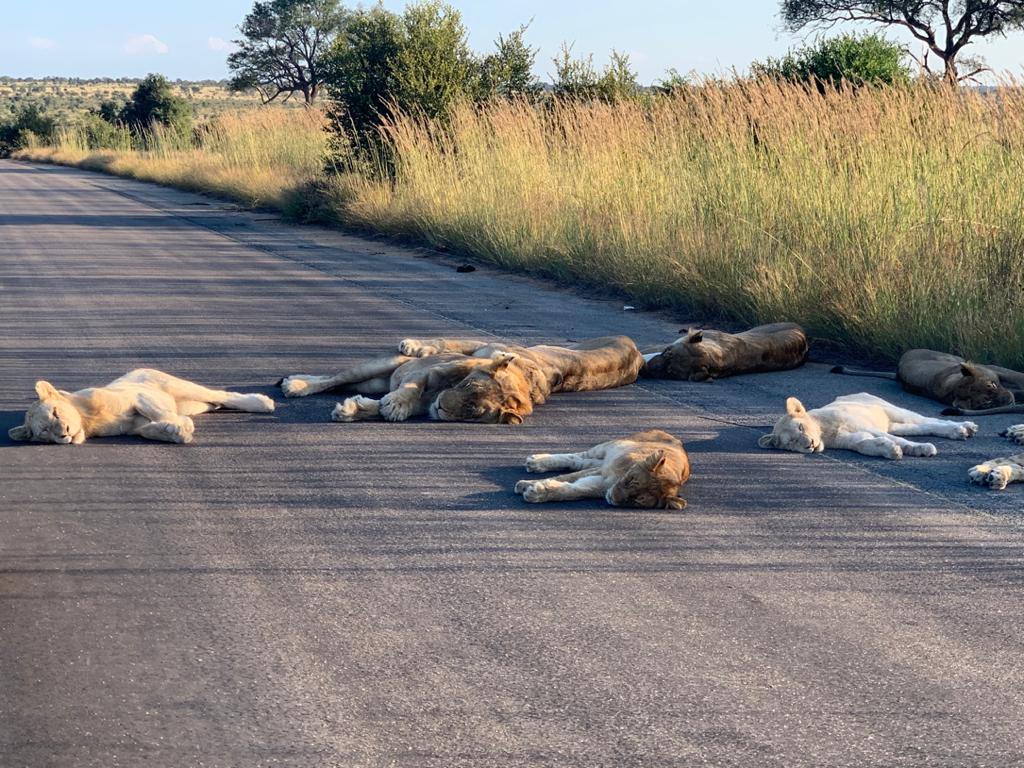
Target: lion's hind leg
[192, 398]
[998, 473]
[552, 462]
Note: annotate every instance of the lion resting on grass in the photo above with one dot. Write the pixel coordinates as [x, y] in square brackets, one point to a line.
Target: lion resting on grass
[144, 402]
[999, 473]
[862, 423]
[472, 380]
[645, 470]
[970, 388]
[706, 355]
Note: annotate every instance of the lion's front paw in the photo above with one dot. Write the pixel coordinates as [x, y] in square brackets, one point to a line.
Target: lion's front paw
[396, 406]
[921, 449]
[262, 404]
[996, 478]
[414, 348]
[522, 485]
[535, 462]
[535, 493]
[1015, 433]
[345, 411]
[295, 386]
[965, 430]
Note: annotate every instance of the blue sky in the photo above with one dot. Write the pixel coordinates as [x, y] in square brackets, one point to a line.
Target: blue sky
[189, 38]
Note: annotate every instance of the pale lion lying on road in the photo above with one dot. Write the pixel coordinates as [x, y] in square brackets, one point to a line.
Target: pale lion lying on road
[999, 473]
[862, 423]
[144, 402]
[644, 470]
[472, 380]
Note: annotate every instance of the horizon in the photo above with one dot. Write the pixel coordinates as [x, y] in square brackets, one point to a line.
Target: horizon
[117, 40]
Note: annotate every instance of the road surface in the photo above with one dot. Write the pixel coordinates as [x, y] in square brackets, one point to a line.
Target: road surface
[288, 591]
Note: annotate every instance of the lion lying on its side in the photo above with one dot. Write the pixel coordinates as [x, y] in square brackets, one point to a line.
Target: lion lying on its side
[143, 402]
[644, 470]
[862, 423]
[704, 355]
[473, 380]
[971, 389]
[999, 473]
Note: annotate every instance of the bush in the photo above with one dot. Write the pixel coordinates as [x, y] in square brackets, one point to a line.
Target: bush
[153, 101]
[576, 79]
[29, 121]
[859, 60]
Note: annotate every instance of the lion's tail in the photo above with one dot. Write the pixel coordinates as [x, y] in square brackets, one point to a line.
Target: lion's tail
[844, 369]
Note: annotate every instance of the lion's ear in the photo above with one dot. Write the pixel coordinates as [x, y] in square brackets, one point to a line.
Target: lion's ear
[794, 407]
[655, 461]
[500, 360]
[694, 336]
[966, 369]
[509, 417]
[767, 441]
[19, 433]
[46, 391]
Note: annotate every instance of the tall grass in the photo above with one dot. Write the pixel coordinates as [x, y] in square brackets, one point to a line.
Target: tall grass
[258, 157]
[885, 218]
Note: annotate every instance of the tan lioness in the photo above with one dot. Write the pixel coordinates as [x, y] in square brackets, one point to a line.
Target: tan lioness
[472, 379]
[143, 402]
[862, 423]
[971, 389]
[999, 473]
[705, 355]
[645, 470]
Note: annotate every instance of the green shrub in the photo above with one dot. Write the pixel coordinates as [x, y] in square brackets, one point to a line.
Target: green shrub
[869, 59]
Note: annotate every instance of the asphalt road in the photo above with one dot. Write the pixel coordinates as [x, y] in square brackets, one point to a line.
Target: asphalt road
[287, 591]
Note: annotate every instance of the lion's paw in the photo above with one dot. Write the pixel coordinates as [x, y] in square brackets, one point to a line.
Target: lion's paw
[396, 407]
[414, 348]
[535, 493]
[295, 386]
[921, 449]
[346, 411]
[260, 404]
[522, 485]
[535, 462]
[1015, 433]
[978, 473]
[965, 430]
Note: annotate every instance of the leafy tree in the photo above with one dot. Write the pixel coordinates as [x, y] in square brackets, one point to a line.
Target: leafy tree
[577, 79]
[28, 121]
[417, 61]
[945, 27]
[434, 67]
[154, 101]
[859, 60]
[282, 46]
[508, 72]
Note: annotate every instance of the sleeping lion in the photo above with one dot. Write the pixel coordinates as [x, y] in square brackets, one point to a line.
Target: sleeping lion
[999, 473]
[472, 380]
[705, 355]
[143, 402]
[862, 423]
[971, 389]
[644, 470]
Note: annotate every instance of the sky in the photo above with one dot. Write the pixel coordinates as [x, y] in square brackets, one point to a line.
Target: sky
[190, 39]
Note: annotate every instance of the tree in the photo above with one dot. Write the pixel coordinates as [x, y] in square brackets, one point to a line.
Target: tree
[417, 62]
[154, 101]
[282, 47]
[945, 27]
[29, 121]
[859, 60]
[577, 79]
[508, 72]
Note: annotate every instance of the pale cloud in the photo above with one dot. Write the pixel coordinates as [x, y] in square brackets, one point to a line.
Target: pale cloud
[140, 44]
[42, 43]
[219, 44]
